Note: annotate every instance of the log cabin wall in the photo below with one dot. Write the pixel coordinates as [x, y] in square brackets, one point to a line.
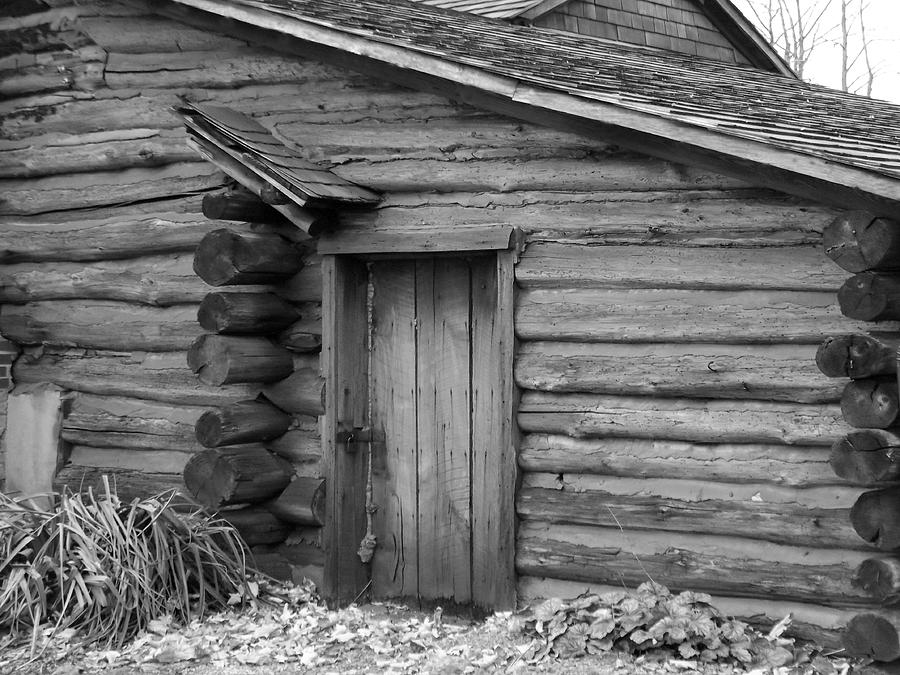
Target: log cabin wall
[675, 425]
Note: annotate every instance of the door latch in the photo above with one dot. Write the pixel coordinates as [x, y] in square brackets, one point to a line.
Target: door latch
[350, 437]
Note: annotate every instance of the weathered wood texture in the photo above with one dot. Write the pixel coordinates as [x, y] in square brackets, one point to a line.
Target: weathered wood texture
[874, 636]
[702, 421]
[797, 466]
[867, 456]
[119, 422]
[86, 190]
[870, 296]
[859, 241]
[128, 484]
[220, 359]
[301, 503]
[256, 525]
[729, 566]
[681, 316]
[572, 265]
[871, 403]
[101, 324]
[880, 578]
[243, 422]
[236, 313]
[766, 372]
[225, 258]
[788, 524]
[152, 280]
[857, 355]
[150, 460]
[874, 517]
[244, 473]
[301, 393]
[651, 217]
[159, 376]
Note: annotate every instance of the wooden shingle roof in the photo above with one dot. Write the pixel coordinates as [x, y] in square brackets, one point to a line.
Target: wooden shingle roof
[496, 9]
[737, 111]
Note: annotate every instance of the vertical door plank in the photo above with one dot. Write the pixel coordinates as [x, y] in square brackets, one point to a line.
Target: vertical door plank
[345, 364]
[493, 433]
[444, 432]
[395, 466]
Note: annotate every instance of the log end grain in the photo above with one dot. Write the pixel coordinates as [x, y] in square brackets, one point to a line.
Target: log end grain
[872, 636]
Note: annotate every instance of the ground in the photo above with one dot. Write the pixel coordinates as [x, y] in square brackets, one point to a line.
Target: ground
[298, 635]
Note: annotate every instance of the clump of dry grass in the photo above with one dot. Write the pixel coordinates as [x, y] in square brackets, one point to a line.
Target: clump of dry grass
[106, 569]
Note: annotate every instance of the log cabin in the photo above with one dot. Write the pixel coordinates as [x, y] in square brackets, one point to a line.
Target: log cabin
[432, 305]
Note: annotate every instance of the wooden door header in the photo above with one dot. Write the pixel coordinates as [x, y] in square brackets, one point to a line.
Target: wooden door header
[425, 240]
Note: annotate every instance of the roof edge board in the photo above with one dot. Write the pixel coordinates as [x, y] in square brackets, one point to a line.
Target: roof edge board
[610, 116]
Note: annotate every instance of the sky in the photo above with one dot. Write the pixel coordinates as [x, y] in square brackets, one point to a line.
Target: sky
[883, 29]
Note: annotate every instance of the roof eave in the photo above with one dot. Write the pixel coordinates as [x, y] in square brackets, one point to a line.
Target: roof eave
[782, 169]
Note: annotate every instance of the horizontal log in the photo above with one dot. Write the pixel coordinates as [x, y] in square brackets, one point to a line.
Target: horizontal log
[103, 188]
[235, 475]
[803, 466]
[583, 415]
[569, 265]
[243, 422]
[859, 241]
[149, 460]
[143, 34]
[676, 315]
[872, 402]
[237, 313]
[698, 489]
[79, 68]
[789, 524]
[117, 149]
[100, 324]
[811, 622]
[701, 218]
[302, 447]
[873, 636]
[159, 280]
[132, 231]
[874, 517]
[301, 393]
[870, 296]
[233, 68]
[857, 355]
[880, 578]
[766, 372]
[256, 525]
[119, 422]
[867, 456]
[127, 484]
[301, 503]
[240, 205]
[225, 257]
[154, 376]
[221, 359]
[728, 566]
[562, 172]
[304, 335]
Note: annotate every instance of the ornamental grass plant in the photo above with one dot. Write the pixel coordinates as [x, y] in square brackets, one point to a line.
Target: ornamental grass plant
[103, 569]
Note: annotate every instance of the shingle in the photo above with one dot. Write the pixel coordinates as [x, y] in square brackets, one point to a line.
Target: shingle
[724, 98]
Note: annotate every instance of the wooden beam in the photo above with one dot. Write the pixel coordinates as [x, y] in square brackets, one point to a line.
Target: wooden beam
[344, 359]
[475, 238]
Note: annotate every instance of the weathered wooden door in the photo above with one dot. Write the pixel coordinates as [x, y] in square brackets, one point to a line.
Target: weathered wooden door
[437, 400]
[430, 325]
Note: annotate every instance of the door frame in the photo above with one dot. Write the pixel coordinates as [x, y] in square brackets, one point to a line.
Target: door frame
[345, 367]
